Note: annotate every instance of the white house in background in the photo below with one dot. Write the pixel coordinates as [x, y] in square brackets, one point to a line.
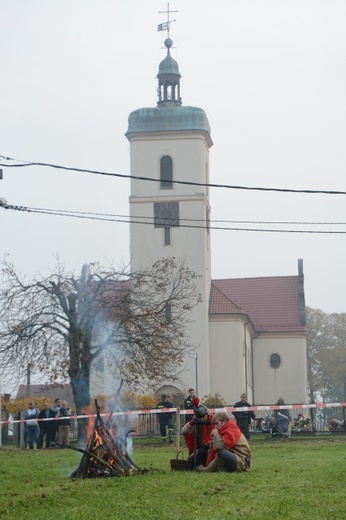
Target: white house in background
[249, 333]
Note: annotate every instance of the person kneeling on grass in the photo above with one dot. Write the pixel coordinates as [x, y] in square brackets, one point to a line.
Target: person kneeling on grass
[230, 449]
[197, 434]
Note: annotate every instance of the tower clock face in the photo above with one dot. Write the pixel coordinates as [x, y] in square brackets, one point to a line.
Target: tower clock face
[166, 214]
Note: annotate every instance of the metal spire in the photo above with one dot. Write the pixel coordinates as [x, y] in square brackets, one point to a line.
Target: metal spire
[165, 26]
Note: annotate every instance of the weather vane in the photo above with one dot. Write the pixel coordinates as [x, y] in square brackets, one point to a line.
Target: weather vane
[166, 25]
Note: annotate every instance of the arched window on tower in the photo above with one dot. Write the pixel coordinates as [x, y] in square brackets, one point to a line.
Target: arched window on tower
[166, 173]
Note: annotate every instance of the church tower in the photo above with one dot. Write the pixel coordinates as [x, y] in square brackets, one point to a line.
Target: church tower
[170, 143]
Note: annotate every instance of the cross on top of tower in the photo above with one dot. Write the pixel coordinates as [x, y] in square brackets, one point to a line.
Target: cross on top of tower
[165, 26]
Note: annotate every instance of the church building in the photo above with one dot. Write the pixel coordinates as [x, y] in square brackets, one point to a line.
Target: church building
[249, 333]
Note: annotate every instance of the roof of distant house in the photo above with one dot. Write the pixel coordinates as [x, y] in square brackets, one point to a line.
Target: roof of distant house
[52, 392]
[271, 303]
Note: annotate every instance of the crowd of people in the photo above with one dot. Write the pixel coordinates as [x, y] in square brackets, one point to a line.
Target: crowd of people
[215, 442]
[49, 427]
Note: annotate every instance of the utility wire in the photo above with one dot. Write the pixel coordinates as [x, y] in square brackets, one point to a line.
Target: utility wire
[151, 219]
[129, 220]
[151, 179]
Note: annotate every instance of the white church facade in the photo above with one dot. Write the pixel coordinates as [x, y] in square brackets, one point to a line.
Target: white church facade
[249, 333]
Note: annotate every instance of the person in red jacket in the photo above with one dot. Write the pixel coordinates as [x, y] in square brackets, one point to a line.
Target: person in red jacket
[230, 449]
[197, 434]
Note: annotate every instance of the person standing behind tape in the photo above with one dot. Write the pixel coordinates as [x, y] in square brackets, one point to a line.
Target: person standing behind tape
[32, 428]
[165, 419]
[188, 401]
[64, 424]
[55, 431]
[46, 427]
[243, 418]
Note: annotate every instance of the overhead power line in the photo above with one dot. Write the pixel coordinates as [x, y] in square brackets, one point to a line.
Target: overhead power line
[150, 221]
[151, 179]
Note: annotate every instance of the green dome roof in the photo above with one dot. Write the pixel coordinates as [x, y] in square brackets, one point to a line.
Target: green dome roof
[168, 115]
[168, 65]
[168, 118]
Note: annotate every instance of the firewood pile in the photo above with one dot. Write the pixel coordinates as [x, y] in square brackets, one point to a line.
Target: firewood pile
[104, 456]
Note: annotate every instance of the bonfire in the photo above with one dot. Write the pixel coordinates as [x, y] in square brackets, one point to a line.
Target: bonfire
[105, 456]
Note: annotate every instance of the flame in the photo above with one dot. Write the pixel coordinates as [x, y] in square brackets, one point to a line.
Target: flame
[89, 429]
[106, 450]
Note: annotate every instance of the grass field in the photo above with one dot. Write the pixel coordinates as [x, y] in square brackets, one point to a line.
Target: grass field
[294, 479]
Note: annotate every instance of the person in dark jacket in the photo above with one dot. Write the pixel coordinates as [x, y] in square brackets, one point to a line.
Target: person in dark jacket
[55, 432]
[243, 418]
[165, 419]
[64, 424]
[46, 427]
[188, 401]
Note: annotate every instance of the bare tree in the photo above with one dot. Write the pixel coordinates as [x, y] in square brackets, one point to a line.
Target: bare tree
[63, 323]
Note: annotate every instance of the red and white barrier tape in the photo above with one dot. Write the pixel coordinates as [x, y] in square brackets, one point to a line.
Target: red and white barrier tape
[190, 412]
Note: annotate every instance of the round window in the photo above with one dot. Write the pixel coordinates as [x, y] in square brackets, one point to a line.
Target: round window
[275, 360]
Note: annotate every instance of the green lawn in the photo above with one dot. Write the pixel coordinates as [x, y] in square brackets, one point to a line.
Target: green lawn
[289, 479]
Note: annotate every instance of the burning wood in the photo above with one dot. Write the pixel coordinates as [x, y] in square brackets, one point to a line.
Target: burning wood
[104, 456]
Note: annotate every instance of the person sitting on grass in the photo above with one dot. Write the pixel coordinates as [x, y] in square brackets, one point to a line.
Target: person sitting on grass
[230, 449]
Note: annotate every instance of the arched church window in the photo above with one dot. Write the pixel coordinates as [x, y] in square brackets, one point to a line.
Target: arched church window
[275, 360]
[166, 173]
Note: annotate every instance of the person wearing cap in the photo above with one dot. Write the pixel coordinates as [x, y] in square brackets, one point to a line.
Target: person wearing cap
[165, 419]
[230, 450]
[197, 433]
[31, 428]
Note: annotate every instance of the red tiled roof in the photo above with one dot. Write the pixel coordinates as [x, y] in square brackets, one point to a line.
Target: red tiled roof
[221, 304]
[271, 303]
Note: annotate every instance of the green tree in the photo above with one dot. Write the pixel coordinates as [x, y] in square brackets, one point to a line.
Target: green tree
[327, 354]
[63, 323]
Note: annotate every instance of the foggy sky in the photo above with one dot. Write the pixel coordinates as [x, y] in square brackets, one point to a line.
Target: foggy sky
[270, 75]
